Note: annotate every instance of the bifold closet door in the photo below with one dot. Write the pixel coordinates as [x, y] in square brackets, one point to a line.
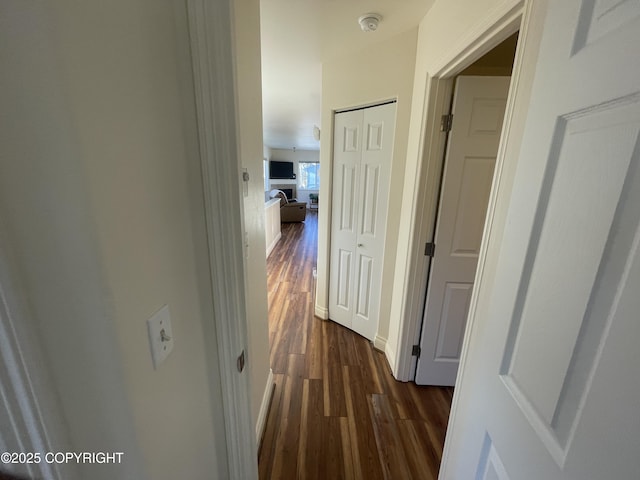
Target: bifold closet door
[363, 146]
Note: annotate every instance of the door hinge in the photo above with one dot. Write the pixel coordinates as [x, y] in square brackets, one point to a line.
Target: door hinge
[429, 249]
[240, 362]
[415, 351]
[446, 122]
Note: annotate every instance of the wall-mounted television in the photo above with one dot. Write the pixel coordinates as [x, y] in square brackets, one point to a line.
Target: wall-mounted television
[281, 170]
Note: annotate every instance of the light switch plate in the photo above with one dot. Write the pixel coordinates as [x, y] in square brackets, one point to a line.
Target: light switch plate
[160, 336]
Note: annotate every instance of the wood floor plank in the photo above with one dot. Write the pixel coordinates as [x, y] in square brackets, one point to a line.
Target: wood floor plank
[351, 424]
[422, 458]
[280, 352]
[276, 298]
[368, 366]
[432, 403]
[367, 447]
[304, 427]
[332, 465]
[390, 448]
[347, 347]
[295, 329]
[313, 357]
[336, 411]
[347, 453]
[313, 444]
[435, 413]
[391, 388]
[286, 451]
[334, 389]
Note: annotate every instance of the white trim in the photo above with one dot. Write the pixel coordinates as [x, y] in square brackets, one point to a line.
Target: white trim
[271, 222]
[211, 40]
[321, 312]
[18, 400]
[261, 421]
[27, 399]
[380, 343]
[437, 102]
[391, 356]
[497, 25]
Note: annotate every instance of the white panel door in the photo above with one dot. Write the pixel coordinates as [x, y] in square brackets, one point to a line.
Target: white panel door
[478, 111]
[363, 146]
[550, 383]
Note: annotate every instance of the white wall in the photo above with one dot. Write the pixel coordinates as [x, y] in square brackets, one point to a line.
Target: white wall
[296, 157]
[101, 197]
[247, 36]
[381, 72]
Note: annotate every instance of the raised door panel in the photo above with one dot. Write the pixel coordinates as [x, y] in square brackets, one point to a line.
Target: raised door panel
[370, 200]
[600, 17]
[486, 117]
[490, 466]
[347, 188]
[453, 319]
[568, 291]
[471, 208]
[351, 135]
[365, 272]
[345, 279]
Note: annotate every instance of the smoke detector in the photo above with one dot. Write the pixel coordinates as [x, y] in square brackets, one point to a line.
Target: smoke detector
[369, 22]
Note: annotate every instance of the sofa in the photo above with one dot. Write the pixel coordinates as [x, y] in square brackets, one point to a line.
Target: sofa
[290, 210]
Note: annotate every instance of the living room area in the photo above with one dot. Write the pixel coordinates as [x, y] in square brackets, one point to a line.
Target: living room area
[291, 185]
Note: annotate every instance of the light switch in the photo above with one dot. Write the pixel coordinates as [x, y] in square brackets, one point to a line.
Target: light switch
[160, 336]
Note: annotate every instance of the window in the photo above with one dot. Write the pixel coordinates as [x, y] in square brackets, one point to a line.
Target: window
[265, 168]
[309, 176]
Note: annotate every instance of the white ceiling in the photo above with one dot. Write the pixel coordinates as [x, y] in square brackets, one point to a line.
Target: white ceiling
[297, 36]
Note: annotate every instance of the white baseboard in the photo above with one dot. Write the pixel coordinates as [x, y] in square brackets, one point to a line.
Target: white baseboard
[391, 358]
[274, 243]
[380, 343]
[264, 408]
[321, 312]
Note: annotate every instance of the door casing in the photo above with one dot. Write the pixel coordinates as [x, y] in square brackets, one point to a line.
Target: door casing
[433, 142]
[431, 368]
[211, 42]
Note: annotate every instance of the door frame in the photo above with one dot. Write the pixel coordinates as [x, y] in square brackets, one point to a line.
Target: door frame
[439, 205]
[502, 23]
[27, 394]
[213, 63]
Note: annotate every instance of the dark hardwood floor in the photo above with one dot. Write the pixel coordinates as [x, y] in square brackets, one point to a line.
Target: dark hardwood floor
[336, 410]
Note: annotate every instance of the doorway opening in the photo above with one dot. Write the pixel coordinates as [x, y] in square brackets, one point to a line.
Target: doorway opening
[305, 392]
[477, 102]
